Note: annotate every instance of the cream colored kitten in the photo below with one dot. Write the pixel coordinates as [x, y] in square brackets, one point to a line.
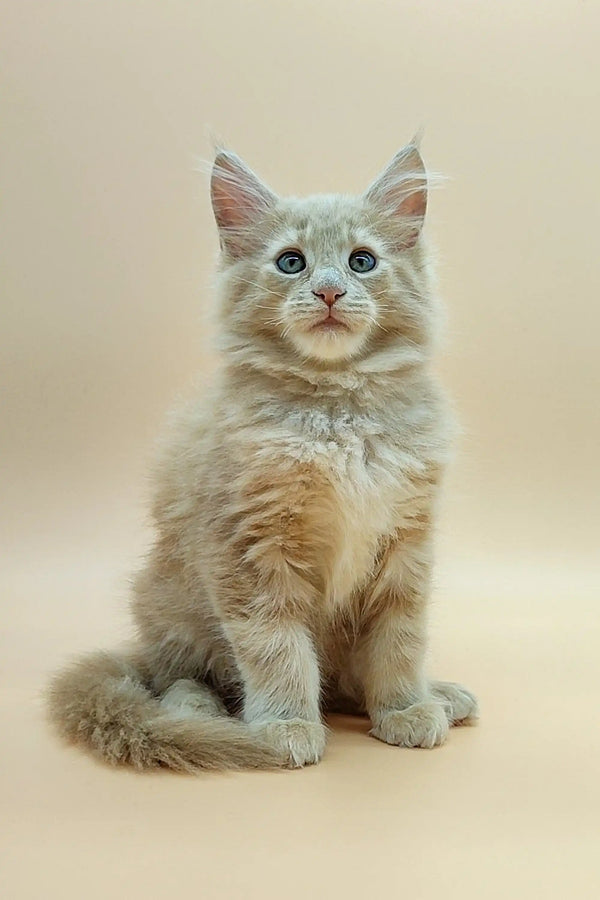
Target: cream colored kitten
[291, 569]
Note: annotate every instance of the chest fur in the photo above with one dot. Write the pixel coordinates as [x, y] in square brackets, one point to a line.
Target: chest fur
[363, 488]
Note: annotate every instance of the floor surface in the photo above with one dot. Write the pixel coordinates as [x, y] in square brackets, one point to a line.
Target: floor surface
[508, 808]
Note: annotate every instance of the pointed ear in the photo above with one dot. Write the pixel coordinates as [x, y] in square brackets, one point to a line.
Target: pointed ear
[239, 200]
[400, 193]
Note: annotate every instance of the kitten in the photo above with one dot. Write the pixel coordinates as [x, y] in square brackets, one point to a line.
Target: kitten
[291, 569]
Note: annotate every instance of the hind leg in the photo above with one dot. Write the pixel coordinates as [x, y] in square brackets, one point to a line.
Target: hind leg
[180, 637]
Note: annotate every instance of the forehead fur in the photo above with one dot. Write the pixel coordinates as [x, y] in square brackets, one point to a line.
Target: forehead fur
[325, 223]
[321, 215]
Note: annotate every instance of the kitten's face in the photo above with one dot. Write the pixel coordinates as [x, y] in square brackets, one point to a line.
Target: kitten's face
[329, 276]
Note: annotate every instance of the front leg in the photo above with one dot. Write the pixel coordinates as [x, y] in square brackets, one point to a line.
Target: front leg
[266, 597]
[405, 709]
[280, 674]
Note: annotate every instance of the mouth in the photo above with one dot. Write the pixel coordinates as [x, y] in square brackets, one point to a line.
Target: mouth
[329, 323]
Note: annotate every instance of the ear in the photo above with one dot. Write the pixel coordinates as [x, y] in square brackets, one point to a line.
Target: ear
[400, 193]
[239, 200]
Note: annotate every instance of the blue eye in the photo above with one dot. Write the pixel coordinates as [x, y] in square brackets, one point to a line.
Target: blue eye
[362, 261]
[291, 262]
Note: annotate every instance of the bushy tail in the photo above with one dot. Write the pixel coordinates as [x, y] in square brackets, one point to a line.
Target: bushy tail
[101, 703]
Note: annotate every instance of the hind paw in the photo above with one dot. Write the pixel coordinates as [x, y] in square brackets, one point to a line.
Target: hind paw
[188, 698]
[459, 704]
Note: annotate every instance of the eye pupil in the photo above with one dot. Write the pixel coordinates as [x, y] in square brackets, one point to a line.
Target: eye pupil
[291, 262]
[362, 261]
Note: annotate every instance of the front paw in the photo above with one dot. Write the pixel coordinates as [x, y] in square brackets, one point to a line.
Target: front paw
[420, 725]
[300, 742]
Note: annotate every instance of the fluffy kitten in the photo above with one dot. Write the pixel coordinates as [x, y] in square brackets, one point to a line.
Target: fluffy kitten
[291, 569]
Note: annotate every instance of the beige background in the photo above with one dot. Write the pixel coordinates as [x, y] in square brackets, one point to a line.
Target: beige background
[108, 246]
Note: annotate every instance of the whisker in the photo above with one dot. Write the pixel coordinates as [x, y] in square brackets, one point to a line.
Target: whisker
[374, 321]
[261, 287]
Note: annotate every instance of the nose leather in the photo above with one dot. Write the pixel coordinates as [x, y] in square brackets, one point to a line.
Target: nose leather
[329, 295]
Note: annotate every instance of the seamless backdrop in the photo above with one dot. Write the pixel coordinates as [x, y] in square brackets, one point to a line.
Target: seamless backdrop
[108, 247]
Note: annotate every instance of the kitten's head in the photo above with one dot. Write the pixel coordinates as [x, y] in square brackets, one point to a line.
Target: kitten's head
[334, 278]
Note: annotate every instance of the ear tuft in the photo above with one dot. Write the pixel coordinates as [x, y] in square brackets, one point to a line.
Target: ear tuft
[239, 197]
[400, 192]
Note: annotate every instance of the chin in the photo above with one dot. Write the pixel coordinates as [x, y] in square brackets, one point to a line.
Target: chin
[329, 345]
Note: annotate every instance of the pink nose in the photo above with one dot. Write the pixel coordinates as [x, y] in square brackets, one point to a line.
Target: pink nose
[329, 295]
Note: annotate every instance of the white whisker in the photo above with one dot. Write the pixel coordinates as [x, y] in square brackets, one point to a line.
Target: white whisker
[261, 287]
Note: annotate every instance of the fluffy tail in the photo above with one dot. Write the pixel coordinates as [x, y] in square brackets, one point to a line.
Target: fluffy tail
[101, 703]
